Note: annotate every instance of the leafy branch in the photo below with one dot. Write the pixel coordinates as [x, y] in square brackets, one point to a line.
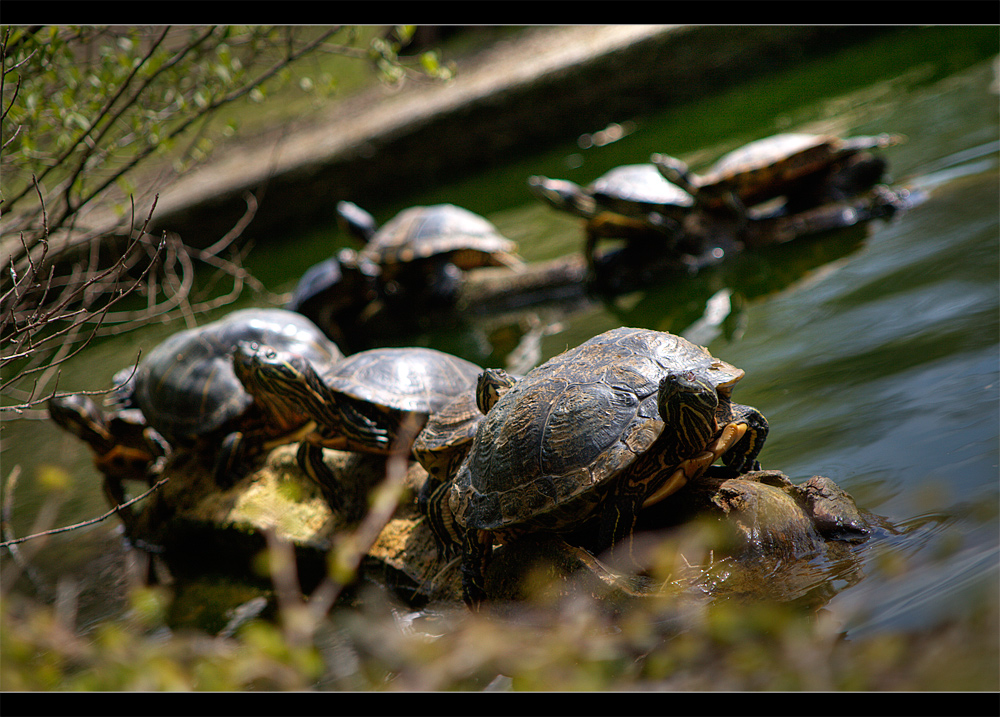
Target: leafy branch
[82, 109]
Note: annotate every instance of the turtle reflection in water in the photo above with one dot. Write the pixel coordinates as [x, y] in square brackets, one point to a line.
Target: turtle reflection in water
[592, 436]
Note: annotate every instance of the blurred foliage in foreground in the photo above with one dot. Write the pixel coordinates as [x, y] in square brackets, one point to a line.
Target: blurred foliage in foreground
[573, 646]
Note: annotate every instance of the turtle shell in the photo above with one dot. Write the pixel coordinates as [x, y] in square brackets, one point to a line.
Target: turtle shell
[317, 279]
[403, 379]
[762, 169]
[792, 149]
[335, 294]
[447, 434]
[637, 189]
[339, 280]
[187, 388]
[449, 431]
[571, 425]
[769, 167]
[453, 233]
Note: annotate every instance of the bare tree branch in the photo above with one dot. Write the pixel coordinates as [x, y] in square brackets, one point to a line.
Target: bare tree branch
[92, 521]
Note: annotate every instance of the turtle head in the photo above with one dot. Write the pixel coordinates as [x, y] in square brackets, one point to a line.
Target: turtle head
[284, 384]
[79, 415]
[674, 170]
[491, 385]
[687, 405]
[355, 221]
[563, 195]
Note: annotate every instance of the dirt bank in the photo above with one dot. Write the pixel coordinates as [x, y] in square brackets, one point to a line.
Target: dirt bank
[512, 98]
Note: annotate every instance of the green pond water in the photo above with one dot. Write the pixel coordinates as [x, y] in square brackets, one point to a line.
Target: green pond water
[872, 352]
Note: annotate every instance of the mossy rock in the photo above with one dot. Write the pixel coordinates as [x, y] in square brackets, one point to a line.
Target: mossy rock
[405, 555]
[769, 540]
[198, 527]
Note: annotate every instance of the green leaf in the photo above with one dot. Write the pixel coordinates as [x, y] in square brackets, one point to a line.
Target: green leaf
[429, 61]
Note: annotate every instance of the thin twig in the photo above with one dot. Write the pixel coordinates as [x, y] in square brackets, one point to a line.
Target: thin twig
[22, 562]
[385, 499]
[69, 333]
[211, 107]
[92, 521]
[300, 619]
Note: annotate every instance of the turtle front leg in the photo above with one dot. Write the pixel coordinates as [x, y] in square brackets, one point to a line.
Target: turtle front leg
[230, 460]
[618, 518]
[432, 502]
[477, 545]
[159, 449]
[592, 236]
[743, 456]
[114, 491]
[310, 460]
[739, 210]
[362, 431]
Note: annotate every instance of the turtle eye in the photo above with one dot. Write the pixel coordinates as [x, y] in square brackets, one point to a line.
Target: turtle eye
[266, 353]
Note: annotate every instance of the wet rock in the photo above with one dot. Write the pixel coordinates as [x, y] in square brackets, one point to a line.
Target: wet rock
[767, 519]
[769, 514]
[405, 556]
[833, 512]
[765, 538]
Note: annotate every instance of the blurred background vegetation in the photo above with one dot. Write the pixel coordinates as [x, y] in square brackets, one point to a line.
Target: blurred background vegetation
[90, 113]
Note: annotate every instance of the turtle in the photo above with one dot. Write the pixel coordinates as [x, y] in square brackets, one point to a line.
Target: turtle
[125, 447]
[792, 164]
[591, 436]
[423, 250]
[362, 403]
[188, 391]
[337, 294]
[632, 201]
[443, 443]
